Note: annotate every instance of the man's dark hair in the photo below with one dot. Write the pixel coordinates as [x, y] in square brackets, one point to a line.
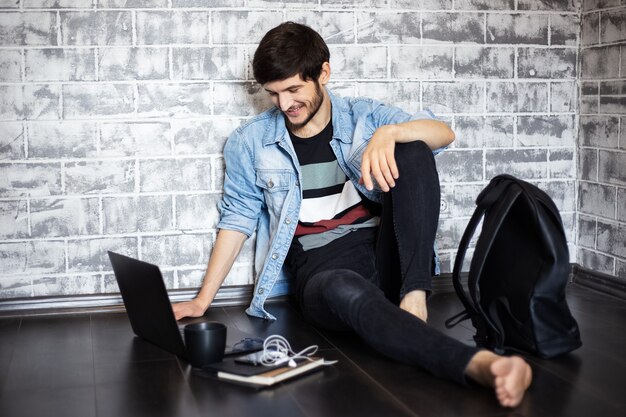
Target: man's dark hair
[289, 49]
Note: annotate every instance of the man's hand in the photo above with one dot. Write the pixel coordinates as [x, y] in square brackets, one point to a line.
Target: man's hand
[192, 308]
[378, 160]
[415, 303]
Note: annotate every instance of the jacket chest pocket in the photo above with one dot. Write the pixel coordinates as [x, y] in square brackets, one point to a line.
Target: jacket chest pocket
[275, 185]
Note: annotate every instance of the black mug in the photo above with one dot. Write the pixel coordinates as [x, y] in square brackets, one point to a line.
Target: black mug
[205, 342]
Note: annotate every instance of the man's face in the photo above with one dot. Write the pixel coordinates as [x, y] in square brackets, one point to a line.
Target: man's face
[298, 100]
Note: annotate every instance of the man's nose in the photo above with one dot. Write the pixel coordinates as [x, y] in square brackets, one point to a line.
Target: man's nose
[285, 102]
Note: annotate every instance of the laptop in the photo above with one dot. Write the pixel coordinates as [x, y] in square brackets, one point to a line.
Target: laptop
[150, 311]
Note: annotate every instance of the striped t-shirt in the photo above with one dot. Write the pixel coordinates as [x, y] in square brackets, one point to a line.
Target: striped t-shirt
[331, 205]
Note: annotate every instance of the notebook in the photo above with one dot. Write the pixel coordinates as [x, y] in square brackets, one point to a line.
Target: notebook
[150, 311]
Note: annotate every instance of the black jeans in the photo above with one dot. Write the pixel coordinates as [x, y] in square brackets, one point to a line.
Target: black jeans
[356, 282]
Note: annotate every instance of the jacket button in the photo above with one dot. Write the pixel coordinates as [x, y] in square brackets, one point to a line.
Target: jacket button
[260, 291]
[274, 256]
[270, 183]
[287, 221]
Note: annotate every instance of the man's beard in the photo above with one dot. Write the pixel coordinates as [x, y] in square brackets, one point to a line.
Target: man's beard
[316, 104]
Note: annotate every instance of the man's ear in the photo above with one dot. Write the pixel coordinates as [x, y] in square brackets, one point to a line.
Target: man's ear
[325, 73]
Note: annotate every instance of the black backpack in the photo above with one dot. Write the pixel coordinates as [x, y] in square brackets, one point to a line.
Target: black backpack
[518, 273]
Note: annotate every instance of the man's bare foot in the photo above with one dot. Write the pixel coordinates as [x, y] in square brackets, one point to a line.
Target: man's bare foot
[510, 376]
[415, 303]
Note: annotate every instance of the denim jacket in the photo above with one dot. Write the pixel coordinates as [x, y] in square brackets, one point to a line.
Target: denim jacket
[262, 189]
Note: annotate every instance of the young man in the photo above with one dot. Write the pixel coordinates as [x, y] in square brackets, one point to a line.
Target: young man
[344, 197]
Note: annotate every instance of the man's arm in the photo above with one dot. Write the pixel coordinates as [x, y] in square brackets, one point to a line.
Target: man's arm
[227, 247]
[378, 158]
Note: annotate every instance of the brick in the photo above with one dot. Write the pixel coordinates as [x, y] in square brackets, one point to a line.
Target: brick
[96, 28]
[527, 164]
[166, 100]
[599, 131]
[15, 287]
[613, 104]
[613, 26]
[596, 200]
[219, 168]
[172, 27]
[463, 200]
[334, 26]
[359, 61]
[240, 99]
[9, 4]
[484, 62]
[546, 130]
[587, 231]
[90, 255]
[71, 140]
[29, 28]
[622, 136]
[449, 233]
[135, 4]
[416, 62]
[33, 179]
[197, 138]
[596, 261]
[600, 62]
[60, 65]
[517, 97]
[204, 3]
[612, 238]
[11, 102]
[444, 97]
[463, 27]
[551, 63]
[66, 285]
[460, 166]
[588, 5]
[517, 28]
[218, 63]
[402, 94]
[197, 212]
[588, 164]
[11, 141]
[562, 163]
[13, 219]
[137, 214]
[251, 25]
[35, 257]
[240, 275]
[386, 28]
[480, 131]
[58, 4]
[617, 87]
[563, 97]
[64, 217]
[590, 30]
[109, 283]
[30, 102]
[621, 204]
[119, 63]
[178, 250]
[10, 66]
[104, 177]
[564, 29]
[135, 139]
[562, 192]
[620, 268]
[175, 174]
[484, 5]
[97, 100]
[191, 278]
[612, 167]
[552, 5]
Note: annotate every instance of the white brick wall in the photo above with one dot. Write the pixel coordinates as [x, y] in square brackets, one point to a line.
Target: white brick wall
[602, 139]
[113, 115]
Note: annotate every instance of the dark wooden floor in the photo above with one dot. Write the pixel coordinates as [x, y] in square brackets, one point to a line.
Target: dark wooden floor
[88, 365]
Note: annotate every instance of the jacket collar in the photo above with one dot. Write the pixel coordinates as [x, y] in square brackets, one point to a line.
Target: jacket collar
[276, 130]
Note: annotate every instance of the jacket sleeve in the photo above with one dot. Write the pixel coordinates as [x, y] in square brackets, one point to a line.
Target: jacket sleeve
[242, 200]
